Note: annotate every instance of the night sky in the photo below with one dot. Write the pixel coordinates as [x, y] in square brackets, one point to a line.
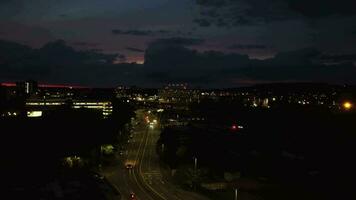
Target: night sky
[206, 43]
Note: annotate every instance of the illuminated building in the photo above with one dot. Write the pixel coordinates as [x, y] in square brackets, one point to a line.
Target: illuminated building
[27, 87]
[34, 113]
[178, 93]
[105, 106]
[35, 106]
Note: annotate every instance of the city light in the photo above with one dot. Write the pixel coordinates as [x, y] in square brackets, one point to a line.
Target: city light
[347, 105]
[34, 114]
[236, 127]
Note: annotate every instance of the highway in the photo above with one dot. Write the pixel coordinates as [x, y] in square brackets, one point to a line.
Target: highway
[145, 179]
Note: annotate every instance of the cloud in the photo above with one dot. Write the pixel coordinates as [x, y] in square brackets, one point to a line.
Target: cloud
[247, 46]
[176, 63]
[121, 58]
[18, 60]
[203, 22]
[132, 32]
[322, 8]
[85, 44]
[177, 41]
[144, 32]
[354, 31]
[58, 62]
[170, 61]
[170, 55]
[246, 12]
[59, 52]
[134, 49]
[338, 58]
[300, 65]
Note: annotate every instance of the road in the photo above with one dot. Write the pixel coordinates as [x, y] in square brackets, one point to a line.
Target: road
[145, 179]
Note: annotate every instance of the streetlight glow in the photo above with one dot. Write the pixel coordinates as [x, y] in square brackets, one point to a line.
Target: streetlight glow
[347, 105]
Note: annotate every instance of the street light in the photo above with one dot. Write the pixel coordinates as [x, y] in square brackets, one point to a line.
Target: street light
[347, 105]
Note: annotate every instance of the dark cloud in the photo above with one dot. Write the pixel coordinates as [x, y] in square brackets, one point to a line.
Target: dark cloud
[300, 65]
[340, 73]
[177, 41]
[354, 31]
[166, 64]
[164, 31]
[121, 57]
[172, 53]
[134, 49]
[168, 33]
[212, 3]
[338, 58]
[58, 62]
[85, 44]
[18, 60]
[132, 32]
[203, 22]
[59, 52]
[247, 46]
[169, 60]
[244, 12]
[322, 8]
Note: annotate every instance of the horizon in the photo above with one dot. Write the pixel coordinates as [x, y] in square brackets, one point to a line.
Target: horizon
[71, 86]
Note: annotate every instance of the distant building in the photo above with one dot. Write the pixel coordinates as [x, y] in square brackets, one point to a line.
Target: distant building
[2, 93]
[178, 93]
[27, 87]
[35, 107]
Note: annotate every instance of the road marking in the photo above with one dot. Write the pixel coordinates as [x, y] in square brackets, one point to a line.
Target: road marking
[140, 169]
[134, 175]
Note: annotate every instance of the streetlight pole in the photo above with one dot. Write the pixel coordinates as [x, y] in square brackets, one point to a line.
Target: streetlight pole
[195, 172]
[236, 193]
